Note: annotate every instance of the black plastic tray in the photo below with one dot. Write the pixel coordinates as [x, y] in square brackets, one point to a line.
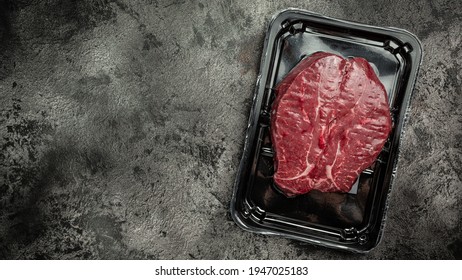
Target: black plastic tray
[352, 221]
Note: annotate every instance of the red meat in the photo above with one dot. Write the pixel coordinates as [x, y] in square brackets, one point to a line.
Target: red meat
[329, 122]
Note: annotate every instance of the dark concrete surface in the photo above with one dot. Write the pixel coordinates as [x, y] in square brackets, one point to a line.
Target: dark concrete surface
[122, 125]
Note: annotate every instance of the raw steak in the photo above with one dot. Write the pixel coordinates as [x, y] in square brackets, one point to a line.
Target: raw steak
[329, 122]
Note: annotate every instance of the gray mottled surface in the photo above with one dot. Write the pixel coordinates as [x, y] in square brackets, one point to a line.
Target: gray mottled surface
[122, 125]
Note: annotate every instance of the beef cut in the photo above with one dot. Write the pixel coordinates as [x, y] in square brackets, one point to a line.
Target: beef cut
[329, 122]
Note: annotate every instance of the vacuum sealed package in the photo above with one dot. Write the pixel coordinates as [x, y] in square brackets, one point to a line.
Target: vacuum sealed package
[324, 130]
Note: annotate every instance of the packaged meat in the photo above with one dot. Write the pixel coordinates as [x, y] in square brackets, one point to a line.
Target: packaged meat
[329, 122]
[279, 151]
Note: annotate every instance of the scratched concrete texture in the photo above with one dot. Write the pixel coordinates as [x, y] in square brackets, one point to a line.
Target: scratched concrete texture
[123, 122]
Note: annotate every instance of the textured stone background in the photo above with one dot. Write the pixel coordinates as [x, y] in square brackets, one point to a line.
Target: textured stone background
[122, 125]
